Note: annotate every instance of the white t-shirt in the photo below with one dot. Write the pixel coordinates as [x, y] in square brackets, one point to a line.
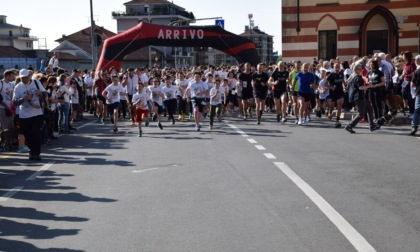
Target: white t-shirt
[144, 78]
[114, 93]
[198, 90]
[155, 94]
[53, 62]
[74, 95]
[32, 107]
[144, 97]
[218, 99]
[322, 86]
[347, 72]
[89, 84]
[6, 92]
[132, 84]
[170, 92]
[63, 88]
[53, 105]
[183, 85]
[210, 85]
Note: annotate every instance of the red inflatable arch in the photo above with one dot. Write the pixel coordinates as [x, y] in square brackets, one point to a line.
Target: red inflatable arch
[144, 34]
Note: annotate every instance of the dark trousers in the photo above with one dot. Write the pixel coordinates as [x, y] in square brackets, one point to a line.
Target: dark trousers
[363, 107]
[182, 106]
[123, 107]
[170, 107]
[32, 131]
[215, 109]
[378, 101]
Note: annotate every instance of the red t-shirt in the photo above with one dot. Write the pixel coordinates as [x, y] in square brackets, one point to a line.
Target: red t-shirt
[101, 86]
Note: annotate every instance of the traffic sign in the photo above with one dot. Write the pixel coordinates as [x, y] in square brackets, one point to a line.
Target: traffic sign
[221, 23]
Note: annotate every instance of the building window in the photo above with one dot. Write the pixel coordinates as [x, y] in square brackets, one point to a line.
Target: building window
[10, 34]
[376, 41]
[327, 44]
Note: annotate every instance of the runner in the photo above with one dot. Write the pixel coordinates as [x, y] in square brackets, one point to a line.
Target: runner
[156, 95]
[170, 92]
[306, 88]
[215, 102]
[182, 84]
[278, 80]
[294, 89]
[244, 80]
[100, 85]
[260, 86]
[140, 101]
[196, 92]
[112, 94]
[336, 85]
[130, 81]
[324, 92]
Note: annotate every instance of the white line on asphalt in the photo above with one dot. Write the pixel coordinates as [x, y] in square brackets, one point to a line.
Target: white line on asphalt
[232, 126]
[260, 147]
[240, 132]
[40, 171]
[10, 194]
[84, 125]
[140, 171]
[354, 237]
[252, 141]
[269, 156]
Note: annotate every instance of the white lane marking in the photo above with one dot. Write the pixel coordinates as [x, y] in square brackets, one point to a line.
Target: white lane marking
[418, 138]
[11, 193]
[240, 132]
[40, 171]
[232, 126]
[354, 237]
[140, 171]
[84, 125]
[252, 141]
[260, 147]
[269, 156]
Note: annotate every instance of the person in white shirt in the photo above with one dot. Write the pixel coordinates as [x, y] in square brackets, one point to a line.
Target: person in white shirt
[130, 81]
[112, 94]
[54, 61]
[197, 92]
[216, 102]
[140, 101]
[6, 91]
[90, 101]
[182, 84]
[27, 96]
[74, 99]
[170, 91]
[156, 95]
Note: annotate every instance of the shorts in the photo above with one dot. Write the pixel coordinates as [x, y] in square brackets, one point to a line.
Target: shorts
[334, 97]
[101, 98]
[305, 97]
[246, 94]
[113, 106]
[230, 98]
[140, 114]
[198, 102]
[159, 107]
[260, 94]
[74, 106]
[278, 93]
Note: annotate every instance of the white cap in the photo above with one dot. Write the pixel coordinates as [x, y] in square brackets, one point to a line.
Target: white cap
[23, 73]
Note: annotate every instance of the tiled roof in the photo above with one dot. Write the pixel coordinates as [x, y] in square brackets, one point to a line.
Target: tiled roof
[12, 52]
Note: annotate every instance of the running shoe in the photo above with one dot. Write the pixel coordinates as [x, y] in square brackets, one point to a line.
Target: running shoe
[278, 118]
[197, 128]
[173, 121]
[219, 118]
[374, 127]
[147, 122]
[338, 125]
[98, 120]
[299, 122]
[305, 123]
[23, 149]
[140, 134]
[413, 132]
[160, 126]
[308, 118]
[283, 119]
[115, 129]
[296, 121]
[211, 127]
[154, 117]
[350, 129]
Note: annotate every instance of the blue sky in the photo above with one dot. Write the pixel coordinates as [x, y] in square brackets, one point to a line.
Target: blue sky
[51, 19]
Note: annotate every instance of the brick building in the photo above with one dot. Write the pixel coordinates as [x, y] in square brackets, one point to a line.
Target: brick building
[325, 29]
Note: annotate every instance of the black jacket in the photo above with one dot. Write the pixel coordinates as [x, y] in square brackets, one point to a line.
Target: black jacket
[353, 85]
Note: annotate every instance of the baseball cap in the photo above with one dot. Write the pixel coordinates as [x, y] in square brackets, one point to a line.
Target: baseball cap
[23, 73]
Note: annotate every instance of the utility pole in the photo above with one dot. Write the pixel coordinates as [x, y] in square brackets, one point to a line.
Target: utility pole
[92, 36]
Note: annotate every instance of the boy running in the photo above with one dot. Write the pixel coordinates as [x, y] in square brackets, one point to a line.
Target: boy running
[140, 100]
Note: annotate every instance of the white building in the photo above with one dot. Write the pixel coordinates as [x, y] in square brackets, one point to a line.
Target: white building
[15, 36]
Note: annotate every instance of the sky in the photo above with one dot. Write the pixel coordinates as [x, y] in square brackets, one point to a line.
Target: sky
[50, 19]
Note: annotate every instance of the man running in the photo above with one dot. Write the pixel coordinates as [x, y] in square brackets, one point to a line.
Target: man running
[260, 86]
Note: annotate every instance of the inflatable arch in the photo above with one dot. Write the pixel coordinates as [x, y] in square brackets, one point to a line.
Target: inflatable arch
[145, 34]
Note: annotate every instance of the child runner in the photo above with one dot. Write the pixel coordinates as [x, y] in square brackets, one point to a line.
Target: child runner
[156, 94]
[140, 100]
[112, 95]
[215, 102]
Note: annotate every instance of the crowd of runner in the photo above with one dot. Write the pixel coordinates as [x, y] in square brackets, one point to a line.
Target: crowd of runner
[37, 104]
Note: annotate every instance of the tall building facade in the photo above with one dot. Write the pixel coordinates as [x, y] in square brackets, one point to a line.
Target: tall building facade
[15, 36]
[326, 29]
[263, 42]
[159, 12]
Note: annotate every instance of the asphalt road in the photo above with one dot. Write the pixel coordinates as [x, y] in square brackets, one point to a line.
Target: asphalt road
[238, 187]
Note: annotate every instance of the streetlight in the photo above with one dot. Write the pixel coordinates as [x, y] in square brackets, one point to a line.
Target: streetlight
[92, 36]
